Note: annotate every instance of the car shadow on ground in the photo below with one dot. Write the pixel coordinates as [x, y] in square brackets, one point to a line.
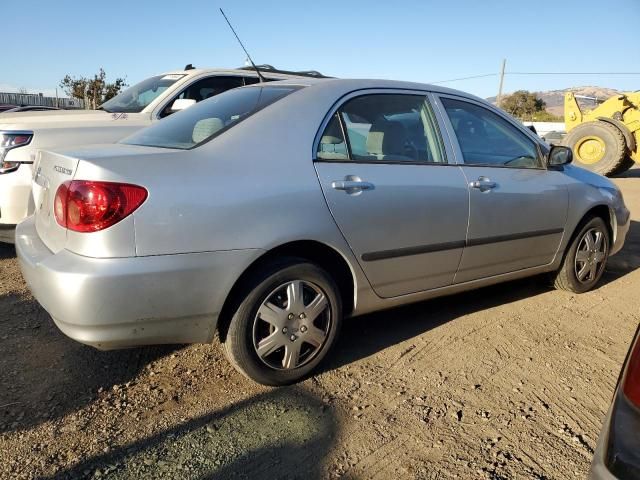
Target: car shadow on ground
[45, 375]
[631, 173]
[283, 433]
[366, 335]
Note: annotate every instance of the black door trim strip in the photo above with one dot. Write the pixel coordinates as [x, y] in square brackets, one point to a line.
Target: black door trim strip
[441, 247]
[514, 236]
[407, 251]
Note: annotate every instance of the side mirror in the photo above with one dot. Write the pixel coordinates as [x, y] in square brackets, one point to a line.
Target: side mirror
[181, 104]
[559, 156]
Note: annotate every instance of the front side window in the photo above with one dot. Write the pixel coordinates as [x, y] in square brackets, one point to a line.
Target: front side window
[137, 98]
[384, 128]
[207, 119]
[487, 139]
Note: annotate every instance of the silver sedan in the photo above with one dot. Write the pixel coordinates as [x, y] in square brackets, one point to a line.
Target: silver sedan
[269, 213]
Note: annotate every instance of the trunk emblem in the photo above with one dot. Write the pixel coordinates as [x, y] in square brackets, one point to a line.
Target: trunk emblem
[59, 169]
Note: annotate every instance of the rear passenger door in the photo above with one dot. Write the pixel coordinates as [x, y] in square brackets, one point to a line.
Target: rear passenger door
[385, 173]
[518, 208]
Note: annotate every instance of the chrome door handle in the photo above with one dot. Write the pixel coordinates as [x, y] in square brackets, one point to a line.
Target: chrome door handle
[352, 184]
[483, 184]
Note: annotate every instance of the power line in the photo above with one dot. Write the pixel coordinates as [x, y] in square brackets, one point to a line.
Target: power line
[534, 73]
[466, 78]
[572, 73]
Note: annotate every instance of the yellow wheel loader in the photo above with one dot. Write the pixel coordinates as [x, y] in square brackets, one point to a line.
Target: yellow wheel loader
[604, 140]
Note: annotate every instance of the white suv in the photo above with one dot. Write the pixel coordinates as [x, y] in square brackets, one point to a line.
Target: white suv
[23, 134]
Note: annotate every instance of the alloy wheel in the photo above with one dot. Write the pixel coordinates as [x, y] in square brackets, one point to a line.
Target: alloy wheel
[591, 255]
[292, 325]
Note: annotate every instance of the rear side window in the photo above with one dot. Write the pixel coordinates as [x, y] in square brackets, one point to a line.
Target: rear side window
[383, 128]
[332, 145]
[207, 119]
[487, 139]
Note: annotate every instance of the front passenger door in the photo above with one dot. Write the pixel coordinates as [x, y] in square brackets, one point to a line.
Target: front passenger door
[518, 208]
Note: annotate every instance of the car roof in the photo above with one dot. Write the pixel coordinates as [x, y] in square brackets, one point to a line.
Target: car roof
[344, 85]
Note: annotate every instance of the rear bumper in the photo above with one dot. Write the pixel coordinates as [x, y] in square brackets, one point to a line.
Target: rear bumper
[124, 302]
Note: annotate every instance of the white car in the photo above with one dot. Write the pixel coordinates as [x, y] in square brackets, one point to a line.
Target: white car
[23, 134]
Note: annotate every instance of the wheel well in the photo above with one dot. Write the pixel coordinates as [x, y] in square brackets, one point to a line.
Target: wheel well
[603, 212]
[311, 250]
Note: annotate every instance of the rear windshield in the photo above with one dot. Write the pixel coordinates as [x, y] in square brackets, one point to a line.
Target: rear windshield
[209, 118]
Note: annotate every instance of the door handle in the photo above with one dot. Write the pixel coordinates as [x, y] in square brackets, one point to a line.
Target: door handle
[483, 184]
[352, 185]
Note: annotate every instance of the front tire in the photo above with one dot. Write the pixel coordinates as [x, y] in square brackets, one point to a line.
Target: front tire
[286, 322]
[586, 257]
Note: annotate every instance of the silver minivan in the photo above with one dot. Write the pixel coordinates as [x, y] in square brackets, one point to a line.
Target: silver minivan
[267, 214]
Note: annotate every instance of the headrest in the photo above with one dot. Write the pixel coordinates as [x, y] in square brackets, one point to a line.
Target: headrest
[386, 138]
[205, 128]
[331, 139]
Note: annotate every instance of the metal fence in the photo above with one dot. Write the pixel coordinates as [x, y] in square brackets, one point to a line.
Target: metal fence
[40, 100]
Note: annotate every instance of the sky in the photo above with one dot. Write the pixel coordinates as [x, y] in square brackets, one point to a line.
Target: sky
[422, 40]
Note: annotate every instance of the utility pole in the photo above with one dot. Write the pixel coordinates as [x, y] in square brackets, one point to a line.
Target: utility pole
[499, 97]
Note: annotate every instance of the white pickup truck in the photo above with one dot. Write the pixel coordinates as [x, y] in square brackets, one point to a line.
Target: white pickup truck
[23, 134]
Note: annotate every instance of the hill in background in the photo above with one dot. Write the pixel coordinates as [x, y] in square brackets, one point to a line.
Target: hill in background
[554, 99]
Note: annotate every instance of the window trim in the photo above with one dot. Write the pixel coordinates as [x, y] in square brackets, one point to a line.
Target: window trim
[541, 157]
[335, 108]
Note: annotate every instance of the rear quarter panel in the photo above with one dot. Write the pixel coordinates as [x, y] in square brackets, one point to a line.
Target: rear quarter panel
[252, 187]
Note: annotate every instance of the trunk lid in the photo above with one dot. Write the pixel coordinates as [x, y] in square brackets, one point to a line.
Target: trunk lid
[115, 163]
[51, 170]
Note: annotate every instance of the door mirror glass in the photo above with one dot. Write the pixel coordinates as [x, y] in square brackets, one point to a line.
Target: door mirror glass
[559, 155]
[181, 104]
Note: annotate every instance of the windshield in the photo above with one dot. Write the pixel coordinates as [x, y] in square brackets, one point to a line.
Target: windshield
[135, 99]
[207, 119]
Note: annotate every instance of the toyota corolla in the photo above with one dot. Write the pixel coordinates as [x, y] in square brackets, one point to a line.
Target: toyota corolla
[269, 213]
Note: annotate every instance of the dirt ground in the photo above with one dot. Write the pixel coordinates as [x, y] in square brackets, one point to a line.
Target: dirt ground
[510, 381]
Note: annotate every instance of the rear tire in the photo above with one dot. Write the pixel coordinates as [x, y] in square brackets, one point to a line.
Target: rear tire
[586, 257]
[287, 319]
[597, 146]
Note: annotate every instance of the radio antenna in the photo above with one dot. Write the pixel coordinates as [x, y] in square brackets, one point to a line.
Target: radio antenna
[245, 50]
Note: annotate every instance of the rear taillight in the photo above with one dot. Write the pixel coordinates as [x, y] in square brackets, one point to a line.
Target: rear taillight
[86, 206]
[631, 381]
[8, 141]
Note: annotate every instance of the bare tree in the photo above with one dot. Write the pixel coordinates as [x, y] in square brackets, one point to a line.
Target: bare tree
[94, 91]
